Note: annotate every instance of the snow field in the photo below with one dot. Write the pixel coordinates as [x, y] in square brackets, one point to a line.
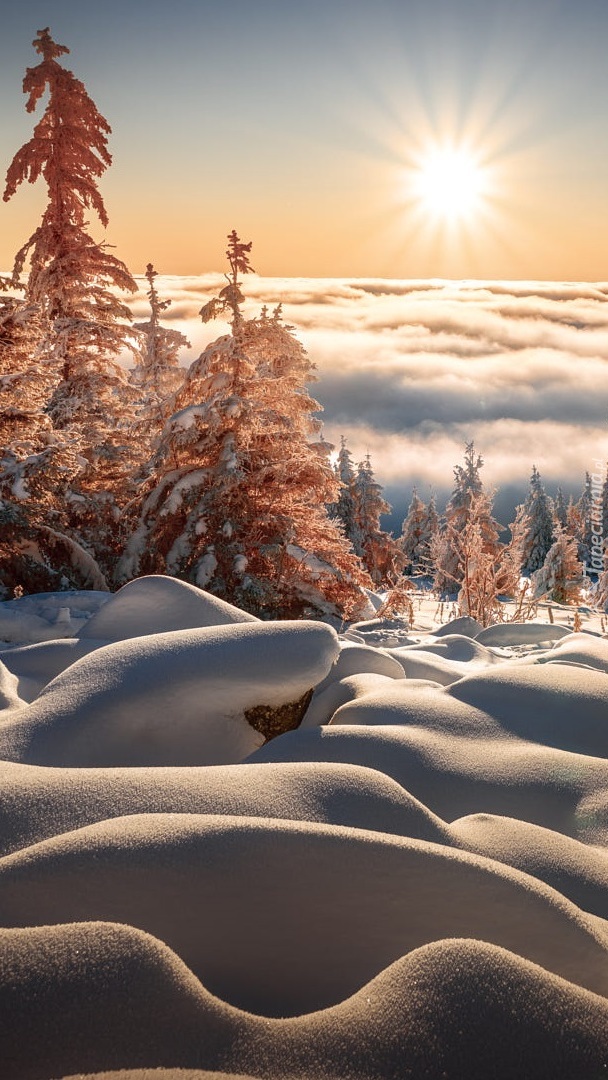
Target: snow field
[411, 882]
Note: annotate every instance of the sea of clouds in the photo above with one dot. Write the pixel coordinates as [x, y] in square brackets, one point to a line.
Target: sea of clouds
[410, 371]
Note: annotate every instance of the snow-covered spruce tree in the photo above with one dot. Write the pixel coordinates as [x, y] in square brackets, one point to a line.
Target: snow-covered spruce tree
[431, 529]
[538, 525]
[26, 382]
[235, 502]
[483, 573]
[468, 485]
[379, 552]
[418, 530]
[343, 509]
[585, 513]
[560, 508]
[36, 466]
[72, 281]
[575, 523]
[561, 576]
[600, 598]
[157, 374]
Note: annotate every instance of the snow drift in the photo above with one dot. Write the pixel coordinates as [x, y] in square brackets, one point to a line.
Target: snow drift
[412, 881]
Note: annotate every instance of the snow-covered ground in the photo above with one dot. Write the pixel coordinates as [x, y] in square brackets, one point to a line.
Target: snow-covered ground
[410, 881]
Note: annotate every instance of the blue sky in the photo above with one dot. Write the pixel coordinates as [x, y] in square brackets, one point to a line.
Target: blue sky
[299, 126]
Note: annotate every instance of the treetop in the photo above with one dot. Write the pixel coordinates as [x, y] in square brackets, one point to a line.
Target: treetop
[48, 49]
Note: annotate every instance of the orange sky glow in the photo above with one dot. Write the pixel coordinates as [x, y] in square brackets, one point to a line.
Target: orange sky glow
[308, 130]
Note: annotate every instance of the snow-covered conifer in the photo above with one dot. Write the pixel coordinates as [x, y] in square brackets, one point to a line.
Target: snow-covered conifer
[585, 515]
[561, 576]
[600, 598]
[575, 523]
[72, 281]
[381, 555]
[70, 275]
[468, 486]
[418, 530]
[538, 525]
[560, 508]
[343, 509]
[157, 373]
[484, 573]
[236, 497]
[37, 465]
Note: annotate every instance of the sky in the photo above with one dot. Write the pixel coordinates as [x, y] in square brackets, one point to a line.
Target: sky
[307, 127]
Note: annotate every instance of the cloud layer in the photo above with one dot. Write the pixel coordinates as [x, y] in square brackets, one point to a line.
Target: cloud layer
[411, 370]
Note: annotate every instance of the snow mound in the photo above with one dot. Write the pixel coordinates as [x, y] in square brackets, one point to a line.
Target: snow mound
[35, 665]
[515, 633]
[156, 604]
[574, 869]
[37, 803]
[178, 698]
[177, 875]
[117, 998]
[579, 649]
[560, 705]
[468, 774]
[424, 854]
[464, 625]
[48, 616]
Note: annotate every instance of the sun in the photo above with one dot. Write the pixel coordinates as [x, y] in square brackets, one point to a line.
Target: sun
[450, 183]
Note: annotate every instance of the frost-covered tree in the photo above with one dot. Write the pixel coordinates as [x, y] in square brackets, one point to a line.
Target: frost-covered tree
[575, 523]
[585, 515]
[561, 576]
[560, 508]
[157, 374]
[71, 277]
[26, 382]
[344, 507]
[605, 511]
[468, 486]
[37, 466]
[72, 281]
[484, 574]
[538, 525]
[380, 553]
[431, 530]
[235, 502]
[600, 598]
[418, 530]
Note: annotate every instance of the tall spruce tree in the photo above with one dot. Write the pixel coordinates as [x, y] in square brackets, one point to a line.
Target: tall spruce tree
[235, 502]
[37, 467]
[605, 511]
[343, 510]
[418, 530]
[381, 555]
[157, 374]
[560, 508]
[485, 573]
[468, 486]
[72, 281]
[538, 525]
[560, 578]
[585, 512]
